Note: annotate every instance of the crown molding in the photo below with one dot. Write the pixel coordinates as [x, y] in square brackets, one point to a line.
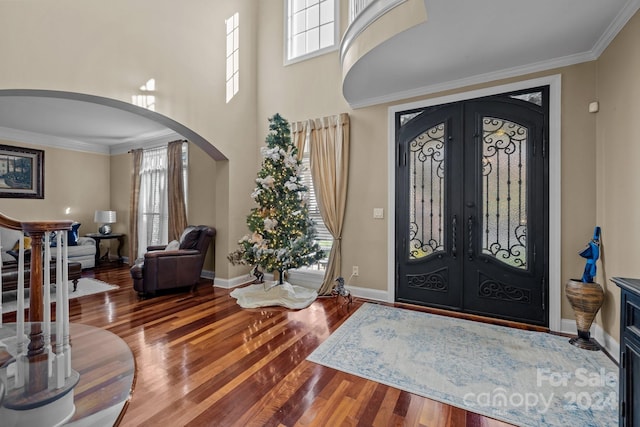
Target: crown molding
[615, 27]
[35, 138]
[149, 141]
[474, 80]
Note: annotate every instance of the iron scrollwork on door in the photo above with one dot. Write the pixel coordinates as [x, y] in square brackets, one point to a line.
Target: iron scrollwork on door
[493, 289]
[433, 281]
[504, 172]
[426, 192]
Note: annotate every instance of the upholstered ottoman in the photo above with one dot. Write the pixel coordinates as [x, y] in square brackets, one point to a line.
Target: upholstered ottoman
[10, 275]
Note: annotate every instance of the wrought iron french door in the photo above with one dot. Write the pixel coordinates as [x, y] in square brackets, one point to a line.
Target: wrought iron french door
[472, 207]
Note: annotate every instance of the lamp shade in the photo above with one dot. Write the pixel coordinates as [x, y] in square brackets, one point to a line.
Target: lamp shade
[104, 217]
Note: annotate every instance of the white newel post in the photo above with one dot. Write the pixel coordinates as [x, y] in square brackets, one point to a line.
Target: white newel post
[21, 356]
[65, 296]
[46, 300]
[60, 364]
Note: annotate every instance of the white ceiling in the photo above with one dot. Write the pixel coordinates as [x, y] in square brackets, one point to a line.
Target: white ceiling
[77, 124]
[466, 42]
[463, 42]
[80, 123]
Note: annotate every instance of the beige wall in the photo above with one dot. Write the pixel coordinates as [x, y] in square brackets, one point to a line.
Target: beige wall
[111, 48]
[72, 180]
[120, 178]
[618, 174]
[202, 199]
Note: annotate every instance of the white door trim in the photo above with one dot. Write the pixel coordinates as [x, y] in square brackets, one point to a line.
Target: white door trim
[554, 82]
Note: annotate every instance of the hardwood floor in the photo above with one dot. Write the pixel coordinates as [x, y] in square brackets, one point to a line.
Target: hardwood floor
[201, 360]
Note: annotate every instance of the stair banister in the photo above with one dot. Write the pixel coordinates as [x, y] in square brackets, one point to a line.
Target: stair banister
[32, 373]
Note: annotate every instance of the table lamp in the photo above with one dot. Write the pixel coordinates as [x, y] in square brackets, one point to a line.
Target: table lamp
[105, 218]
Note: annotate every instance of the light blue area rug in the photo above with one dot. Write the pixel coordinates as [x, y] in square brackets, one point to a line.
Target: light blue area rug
[521, 377]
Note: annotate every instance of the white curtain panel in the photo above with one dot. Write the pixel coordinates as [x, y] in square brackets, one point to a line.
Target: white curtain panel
[153, 211]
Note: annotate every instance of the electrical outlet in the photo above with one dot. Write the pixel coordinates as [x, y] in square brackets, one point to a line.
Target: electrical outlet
[355, 270]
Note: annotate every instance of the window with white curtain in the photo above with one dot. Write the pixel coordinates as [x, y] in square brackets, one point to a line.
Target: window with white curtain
[153, 214]
[323, 237]
[153, 210]
[311, 28]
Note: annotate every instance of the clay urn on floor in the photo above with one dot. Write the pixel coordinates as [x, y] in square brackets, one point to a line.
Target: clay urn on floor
[586, 298]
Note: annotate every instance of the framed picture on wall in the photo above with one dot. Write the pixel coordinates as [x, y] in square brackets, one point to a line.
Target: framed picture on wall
[21, 173]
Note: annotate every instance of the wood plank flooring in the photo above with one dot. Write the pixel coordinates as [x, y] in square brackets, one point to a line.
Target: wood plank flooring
[201, 360]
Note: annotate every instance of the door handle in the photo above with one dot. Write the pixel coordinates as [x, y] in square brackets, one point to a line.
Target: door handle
[454, 236]
[470, 231]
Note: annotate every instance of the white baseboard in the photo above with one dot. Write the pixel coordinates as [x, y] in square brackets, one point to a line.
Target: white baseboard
[231, 283]
[604, 339]
[371, 294]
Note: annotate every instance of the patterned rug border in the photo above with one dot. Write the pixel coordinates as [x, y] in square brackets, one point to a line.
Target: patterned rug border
[332, 353]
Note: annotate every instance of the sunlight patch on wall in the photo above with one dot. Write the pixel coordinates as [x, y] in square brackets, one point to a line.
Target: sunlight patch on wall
[143, 99]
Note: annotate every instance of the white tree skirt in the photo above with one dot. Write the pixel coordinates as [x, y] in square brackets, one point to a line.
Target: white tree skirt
[286, 295]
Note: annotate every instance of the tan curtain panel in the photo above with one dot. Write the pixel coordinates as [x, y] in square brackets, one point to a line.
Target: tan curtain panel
[134, 201]
[175, 191]
[329, 157]
[299, 136]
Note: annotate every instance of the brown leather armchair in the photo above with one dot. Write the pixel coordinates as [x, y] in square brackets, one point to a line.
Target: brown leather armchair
[173, 268]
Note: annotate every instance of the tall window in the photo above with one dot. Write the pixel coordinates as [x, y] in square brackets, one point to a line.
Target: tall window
[153, 214]
[312, 28]
[324, 238]
[233, 55]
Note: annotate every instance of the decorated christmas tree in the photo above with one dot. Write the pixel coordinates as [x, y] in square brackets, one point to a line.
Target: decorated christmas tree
[282, 233]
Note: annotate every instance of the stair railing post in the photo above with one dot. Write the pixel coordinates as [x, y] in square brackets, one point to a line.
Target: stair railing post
[21, 371]
[65, 305]
[38, 368]
[47, 301]
[60, 364]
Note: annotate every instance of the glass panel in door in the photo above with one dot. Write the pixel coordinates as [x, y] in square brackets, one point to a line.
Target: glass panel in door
[504, 191]
[426, 192]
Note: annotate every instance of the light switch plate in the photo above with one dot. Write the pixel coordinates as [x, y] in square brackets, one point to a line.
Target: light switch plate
[378, 213]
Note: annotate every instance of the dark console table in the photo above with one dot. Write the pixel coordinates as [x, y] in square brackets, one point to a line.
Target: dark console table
[99, 237]
[629, 351]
